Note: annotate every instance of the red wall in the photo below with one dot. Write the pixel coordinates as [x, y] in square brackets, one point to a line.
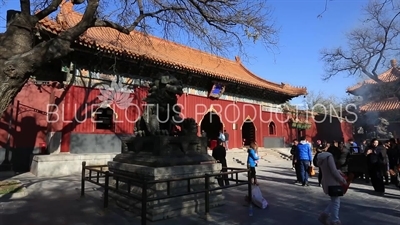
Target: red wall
[322, 128]
[231, 112]
[30, 124]
[81, 103]
[332, 128]
[29, 127]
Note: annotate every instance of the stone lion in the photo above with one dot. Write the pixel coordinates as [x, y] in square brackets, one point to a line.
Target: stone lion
[161, 114]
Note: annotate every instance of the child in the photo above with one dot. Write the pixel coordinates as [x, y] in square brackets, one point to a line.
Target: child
[252, 161]
[257, 156]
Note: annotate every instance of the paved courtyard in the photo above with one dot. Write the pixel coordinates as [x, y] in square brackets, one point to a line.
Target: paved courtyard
[56, 201]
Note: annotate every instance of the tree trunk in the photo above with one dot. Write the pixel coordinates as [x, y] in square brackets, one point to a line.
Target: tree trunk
[16, 41]
[9, 87]
[19, 58]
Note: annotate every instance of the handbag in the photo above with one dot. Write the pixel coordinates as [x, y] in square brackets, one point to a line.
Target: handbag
[311, 171]
[335, 191]
[340, 190]
[315, 159]
[258, 198]
[348, 179]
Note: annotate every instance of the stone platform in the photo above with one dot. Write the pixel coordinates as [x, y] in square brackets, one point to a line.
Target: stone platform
[172, 207]
[64, 164]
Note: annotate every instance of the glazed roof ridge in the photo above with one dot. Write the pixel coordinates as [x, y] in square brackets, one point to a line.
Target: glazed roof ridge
[282, 85]
[390, 75]
[387, 104]
[206, 63]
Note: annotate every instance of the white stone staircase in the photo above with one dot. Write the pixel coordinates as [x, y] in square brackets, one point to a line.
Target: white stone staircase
[238, 157]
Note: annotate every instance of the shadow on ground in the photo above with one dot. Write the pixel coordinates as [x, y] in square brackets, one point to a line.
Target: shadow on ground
[57, 201]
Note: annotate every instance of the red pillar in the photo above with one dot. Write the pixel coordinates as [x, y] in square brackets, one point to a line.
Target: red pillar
[260, 127]
[235, 141]
[67, 121]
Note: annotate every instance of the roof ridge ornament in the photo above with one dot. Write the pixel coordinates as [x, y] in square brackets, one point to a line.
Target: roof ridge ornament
[237, 59]
[67, 6]
[393, 63]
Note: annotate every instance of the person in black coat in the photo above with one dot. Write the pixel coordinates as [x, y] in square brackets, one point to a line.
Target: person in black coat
[321, 147]
[295, 165]
[219, 154]
[393, 158]
[385, 166]
[335, 150]
[344, 158]
[375, 163]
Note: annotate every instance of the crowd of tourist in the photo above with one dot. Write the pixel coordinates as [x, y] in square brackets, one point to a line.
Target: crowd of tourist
[382, 159]
[379, 162]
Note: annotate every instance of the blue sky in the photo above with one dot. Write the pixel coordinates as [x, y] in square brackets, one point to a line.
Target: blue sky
[302, 36]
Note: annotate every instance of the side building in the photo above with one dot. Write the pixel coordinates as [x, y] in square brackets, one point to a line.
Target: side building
[379, 105]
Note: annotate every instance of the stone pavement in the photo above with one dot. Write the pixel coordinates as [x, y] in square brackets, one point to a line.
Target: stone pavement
[56, 201]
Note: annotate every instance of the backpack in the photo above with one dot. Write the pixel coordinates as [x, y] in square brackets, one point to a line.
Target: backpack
[293, 150]
[315, 159]
[221, 137]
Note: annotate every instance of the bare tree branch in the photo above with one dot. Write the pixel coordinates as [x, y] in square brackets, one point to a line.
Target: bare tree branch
[325, 9]
[369, 45]
[376, 12]
[320, 103]
[88, 20]
[143, 15]
[104, 23]
[48, 10]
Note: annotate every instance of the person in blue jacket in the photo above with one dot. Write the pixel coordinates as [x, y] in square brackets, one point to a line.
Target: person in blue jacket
[304, 159]
[251, 161]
